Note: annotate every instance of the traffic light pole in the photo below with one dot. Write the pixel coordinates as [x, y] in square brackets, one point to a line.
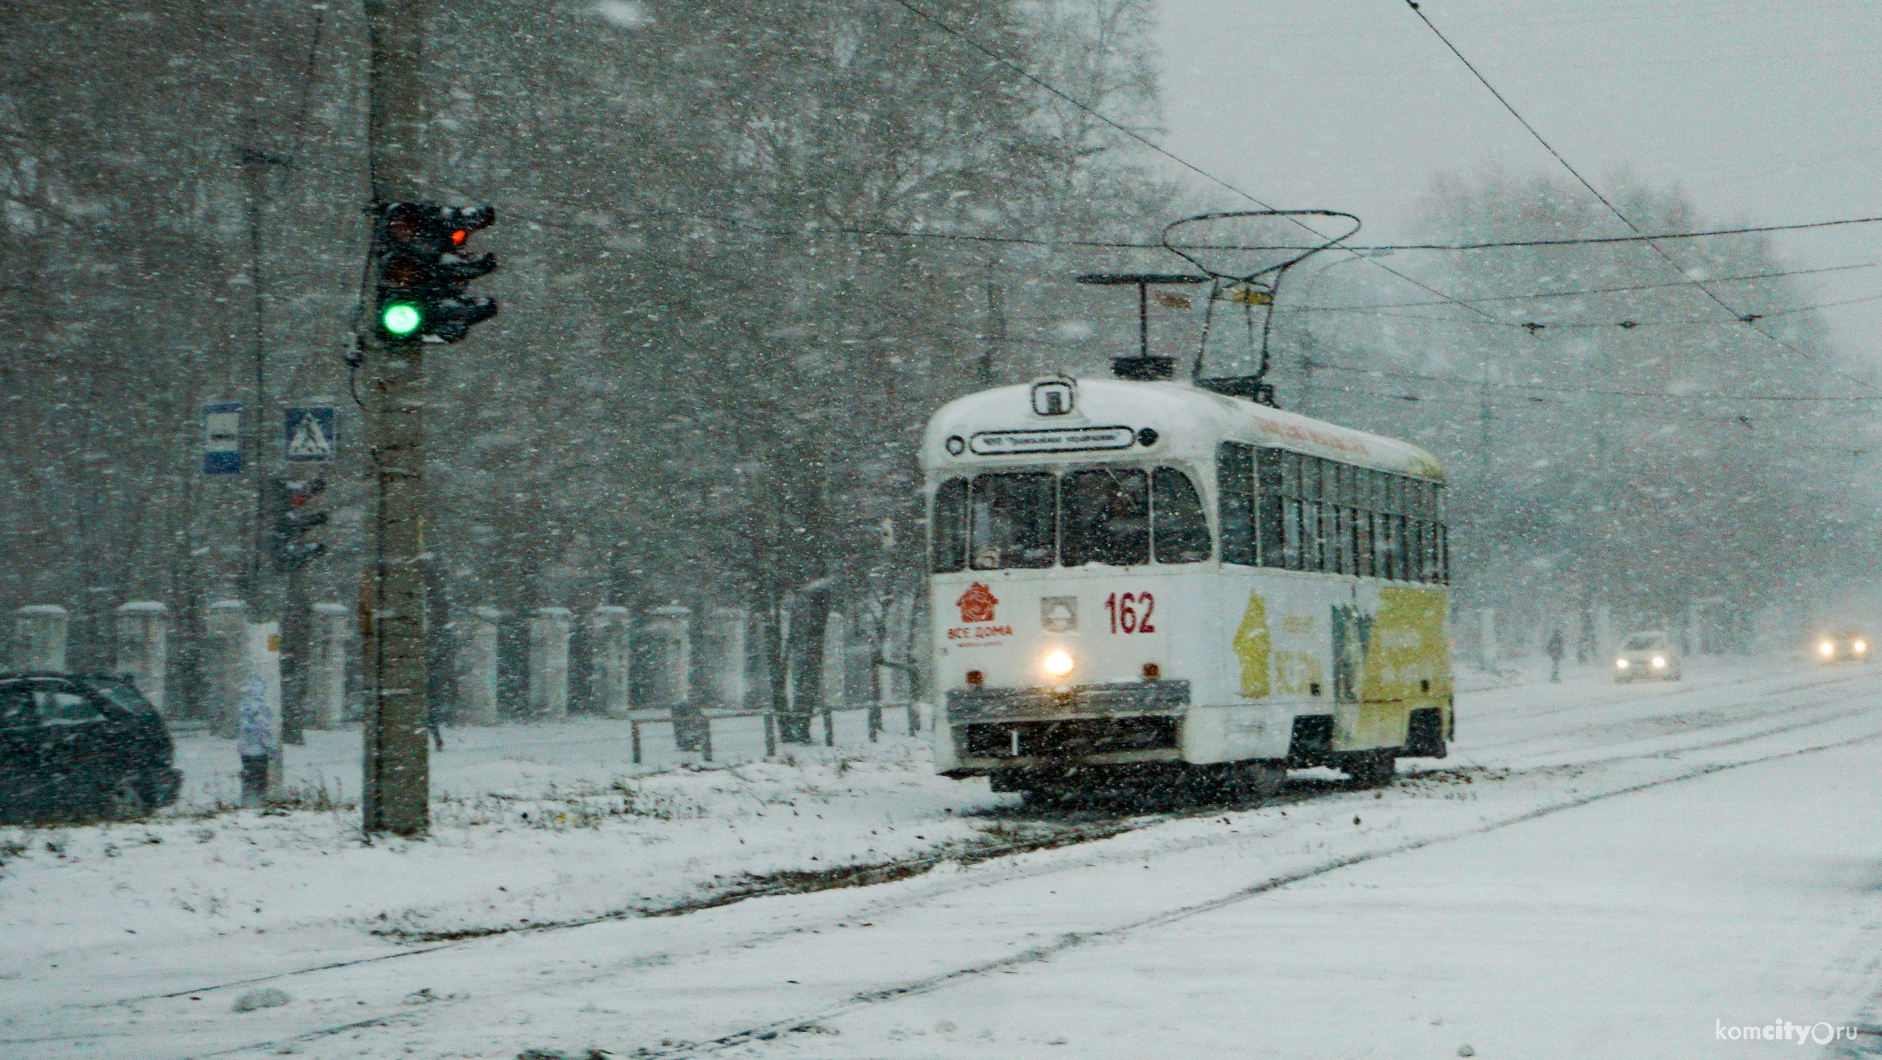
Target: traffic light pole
[395, 794]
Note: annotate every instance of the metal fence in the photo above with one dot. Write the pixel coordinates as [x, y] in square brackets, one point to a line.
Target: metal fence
[692, 730]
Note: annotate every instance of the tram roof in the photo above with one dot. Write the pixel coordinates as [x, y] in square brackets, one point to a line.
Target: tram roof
[999, 428]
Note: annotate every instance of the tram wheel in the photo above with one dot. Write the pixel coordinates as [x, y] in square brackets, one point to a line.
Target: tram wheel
[1257, 781]
[1371, 769]
[1042, 798]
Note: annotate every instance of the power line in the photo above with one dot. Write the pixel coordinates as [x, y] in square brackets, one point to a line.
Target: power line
[1590, 240]
[773, 228]
[964, 38]
[1749, 320]
[1577, 294]
[1489, 320]
[1460, 381]
[1626, 325]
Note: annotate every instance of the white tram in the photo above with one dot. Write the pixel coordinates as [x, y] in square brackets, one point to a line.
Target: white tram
[1153, 581]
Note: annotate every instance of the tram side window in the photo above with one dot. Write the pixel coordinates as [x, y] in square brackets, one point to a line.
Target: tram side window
[1292, 546]
[1012, 519]
[1179, 532]
[948, 526]
[1106, 518]
[1344, 561]
[1234, 476]
[1366, 504]
[1270, 539]
[1310, 545]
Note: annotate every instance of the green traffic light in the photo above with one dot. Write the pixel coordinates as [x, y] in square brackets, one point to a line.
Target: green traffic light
[400, 319]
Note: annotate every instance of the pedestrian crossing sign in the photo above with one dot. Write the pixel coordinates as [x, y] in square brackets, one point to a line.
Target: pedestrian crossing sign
[309, 433]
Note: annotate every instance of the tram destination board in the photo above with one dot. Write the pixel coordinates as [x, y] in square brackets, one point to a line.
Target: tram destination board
[1052, 440]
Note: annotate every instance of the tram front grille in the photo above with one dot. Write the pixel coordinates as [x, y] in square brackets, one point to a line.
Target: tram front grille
[1070, 738]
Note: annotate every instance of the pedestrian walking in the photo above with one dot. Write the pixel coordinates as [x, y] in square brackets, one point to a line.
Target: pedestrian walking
[1555, 655]
[256, 741]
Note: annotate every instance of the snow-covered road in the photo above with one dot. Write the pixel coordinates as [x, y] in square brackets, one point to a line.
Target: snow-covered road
[1599, 870]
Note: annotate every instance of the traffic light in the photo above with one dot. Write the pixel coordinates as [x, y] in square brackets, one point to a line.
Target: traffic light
[292, 515]
[418, 248]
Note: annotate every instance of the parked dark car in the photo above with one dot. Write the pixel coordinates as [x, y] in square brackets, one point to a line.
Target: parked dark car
[81, 746]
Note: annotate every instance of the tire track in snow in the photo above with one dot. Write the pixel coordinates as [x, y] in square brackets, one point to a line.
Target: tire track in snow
[1303, 793]
[1035, 954]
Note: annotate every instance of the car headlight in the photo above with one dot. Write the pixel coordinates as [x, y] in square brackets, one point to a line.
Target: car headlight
[1620, 664]
[1860, 647]
[1058, 664]
[1659, 661]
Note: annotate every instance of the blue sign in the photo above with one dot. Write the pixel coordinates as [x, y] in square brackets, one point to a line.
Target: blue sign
[309, 434]
[222, 439]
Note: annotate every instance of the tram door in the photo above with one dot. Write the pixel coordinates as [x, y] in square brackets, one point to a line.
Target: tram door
[1352, 632]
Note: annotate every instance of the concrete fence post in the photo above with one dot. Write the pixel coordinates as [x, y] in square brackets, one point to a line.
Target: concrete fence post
[42, 630]
[549, 663]
[226, 657]
[611, 667]
[326, 666]
[666, 639]
[143, 648]
[722, 657]
[477, 667]
[1488, 650]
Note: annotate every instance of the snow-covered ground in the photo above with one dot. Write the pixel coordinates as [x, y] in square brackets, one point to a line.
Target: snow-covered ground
[1598, 870]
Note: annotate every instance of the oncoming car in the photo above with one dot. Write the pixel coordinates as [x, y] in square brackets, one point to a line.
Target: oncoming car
[1842, 646]
[1647, 656]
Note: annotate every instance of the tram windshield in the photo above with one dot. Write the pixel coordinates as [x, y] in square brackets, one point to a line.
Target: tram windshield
[1112, 516]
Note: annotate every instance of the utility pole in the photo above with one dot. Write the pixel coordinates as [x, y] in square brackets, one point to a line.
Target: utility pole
[996, 325]
[264, 587]
[396, 789]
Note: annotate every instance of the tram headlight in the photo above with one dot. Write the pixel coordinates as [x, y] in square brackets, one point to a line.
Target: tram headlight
[1059, 663]
[1620, 664]
[1826, 649]
[1659, 662]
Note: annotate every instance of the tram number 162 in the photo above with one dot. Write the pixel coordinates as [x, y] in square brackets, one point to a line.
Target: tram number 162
[1125, 617]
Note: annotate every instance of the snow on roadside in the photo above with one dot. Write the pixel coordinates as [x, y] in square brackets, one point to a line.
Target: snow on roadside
[561, 846]
[543, 824]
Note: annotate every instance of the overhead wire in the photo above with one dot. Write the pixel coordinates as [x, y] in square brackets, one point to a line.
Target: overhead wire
[983, 49]
[774, 228]
[1533, 327]
[1575, 241]
[1488, 319]
[1626, 325]
[1601, 391]
[1587, 291]
[1749, 320]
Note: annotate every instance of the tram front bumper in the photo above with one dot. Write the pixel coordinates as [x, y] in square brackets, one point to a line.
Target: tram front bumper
[1025, 728]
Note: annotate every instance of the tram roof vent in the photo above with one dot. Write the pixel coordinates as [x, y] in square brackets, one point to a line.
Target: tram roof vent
[1143, 369]
[1241, 386]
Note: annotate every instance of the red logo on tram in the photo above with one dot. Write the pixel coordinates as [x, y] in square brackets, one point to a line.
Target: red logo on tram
[976, 604]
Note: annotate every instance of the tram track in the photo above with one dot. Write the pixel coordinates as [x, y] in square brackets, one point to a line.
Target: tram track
[1035, 954]
[1058, 834]
[1075, 833]
[1304, 792]
[1686, 689]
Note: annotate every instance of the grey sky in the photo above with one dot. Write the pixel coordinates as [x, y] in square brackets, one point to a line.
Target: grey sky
[1765, 111]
